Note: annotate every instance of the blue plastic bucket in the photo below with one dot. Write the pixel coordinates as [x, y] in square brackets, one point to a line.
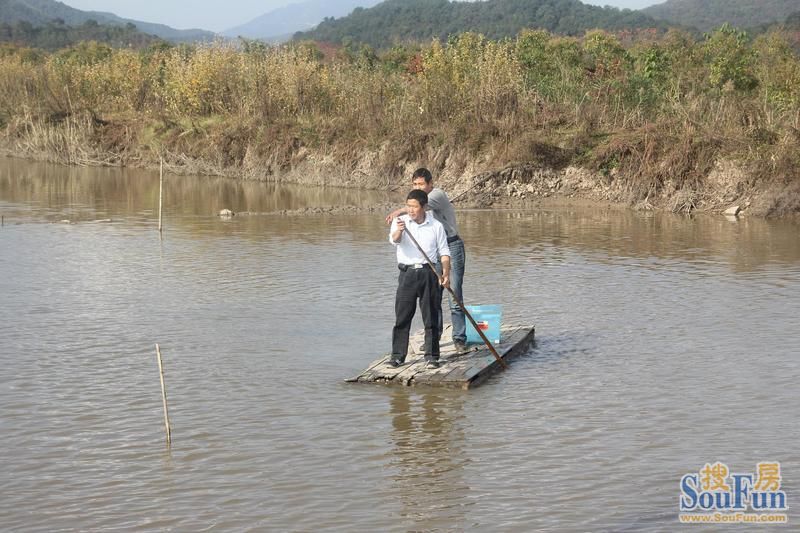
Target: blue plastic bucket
[488, 318]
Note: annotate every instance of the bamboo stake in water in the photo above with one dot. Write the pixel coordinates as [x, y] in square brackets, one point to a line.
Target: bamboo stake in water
[160, 191]
[164, 396]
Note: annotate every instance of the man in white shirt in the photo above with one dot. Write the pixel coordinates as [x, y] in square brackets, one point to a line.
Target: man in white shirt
[417, 281]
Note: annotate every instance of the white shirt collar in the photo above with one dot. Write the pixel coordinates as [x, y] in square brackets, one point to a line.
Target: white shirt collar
[427, 219]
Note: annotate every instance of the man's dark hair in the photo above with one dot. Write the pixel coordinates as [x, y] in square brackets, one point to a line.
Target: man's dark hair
[418, 195]
[422, 173]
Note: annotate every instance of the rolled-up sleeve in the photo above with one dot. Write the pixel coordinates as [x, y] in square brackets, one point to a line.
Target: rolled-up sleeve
[392, 229]
[441, 242]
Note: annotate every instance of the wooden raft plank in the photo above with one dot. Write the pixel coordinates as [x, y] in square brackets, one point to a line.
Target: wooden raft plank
[457, 370]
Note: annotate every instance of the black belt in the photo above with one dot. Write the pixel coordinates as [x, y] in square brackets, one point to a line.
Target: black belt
[416, 266]
[454, 238]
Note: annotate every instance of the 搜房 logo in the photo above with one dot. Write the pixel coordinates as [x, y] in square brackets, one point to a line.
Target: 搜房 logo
[715, 494]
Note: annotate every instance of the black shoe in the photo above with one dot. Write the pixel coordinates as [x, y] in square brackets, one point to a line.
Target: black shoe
[394, 363]
[460, 347]
[432, 364]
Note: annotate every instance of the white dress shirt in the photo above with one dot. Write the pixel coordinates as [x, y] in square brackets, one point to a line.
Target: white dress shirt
[430, 235]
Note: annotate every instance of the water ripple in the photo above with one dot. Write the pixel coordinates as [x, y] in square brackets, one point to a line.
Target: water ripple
[653, 356]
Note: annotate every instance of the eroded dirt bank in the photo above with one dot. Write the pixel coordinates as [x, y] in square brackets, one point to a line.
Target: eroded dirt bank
[490, 175]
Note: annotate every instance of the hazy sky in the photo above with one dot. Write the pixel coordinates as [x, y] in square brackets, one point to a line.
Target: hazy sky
[219, 15]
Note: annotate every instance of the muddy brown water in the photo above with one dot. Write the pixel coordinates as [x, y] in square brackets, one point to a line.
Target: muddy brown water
[664, 343]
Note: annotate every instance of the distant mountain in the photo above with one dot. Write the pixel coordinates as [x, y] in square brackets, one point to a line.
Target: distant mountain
[160, 30]
[41, 12]
[707, 15]
[398, 21]
[280, 24]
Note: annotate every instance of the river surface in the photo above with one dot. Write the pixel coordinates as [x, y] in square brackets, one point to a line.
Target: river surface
[663, 343]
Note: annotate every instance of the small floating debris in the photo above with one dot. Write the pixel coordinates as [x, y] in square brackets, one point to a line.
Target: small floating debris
[226, 213]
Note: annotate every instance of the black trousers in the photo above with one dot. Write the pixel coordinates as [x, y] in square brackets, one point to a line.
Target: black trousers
[417, 284]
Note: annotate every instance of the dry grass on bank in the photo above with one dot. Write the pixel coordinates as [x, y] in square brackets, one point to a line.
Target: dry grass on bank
[654, 118]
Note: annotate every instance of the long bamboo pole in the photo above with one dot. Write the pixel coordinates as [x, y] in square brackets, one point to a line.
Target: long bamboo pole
[164, 396]
[458, 301]
[160, 191]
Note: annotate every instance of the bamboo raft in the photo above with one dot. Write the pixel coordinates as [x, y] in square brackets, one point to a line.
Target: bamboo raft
[462, 371]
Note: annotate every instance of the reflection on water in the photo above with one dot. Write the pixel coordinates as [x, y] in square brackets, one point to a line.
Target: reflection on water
[429, 457]
[87, 193]
[54, 193]
[745, 244]
[663, 343]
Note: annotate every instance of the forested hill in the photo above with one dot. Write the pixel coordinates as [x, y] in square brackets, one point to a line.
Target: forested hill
[39, 12]
[706, 15]
[42, 12]
[401, 21]
[55, 35]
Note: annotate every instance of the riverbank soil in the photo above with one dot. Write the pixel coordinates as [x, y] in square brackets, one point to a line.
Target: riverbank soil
[644, 169]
